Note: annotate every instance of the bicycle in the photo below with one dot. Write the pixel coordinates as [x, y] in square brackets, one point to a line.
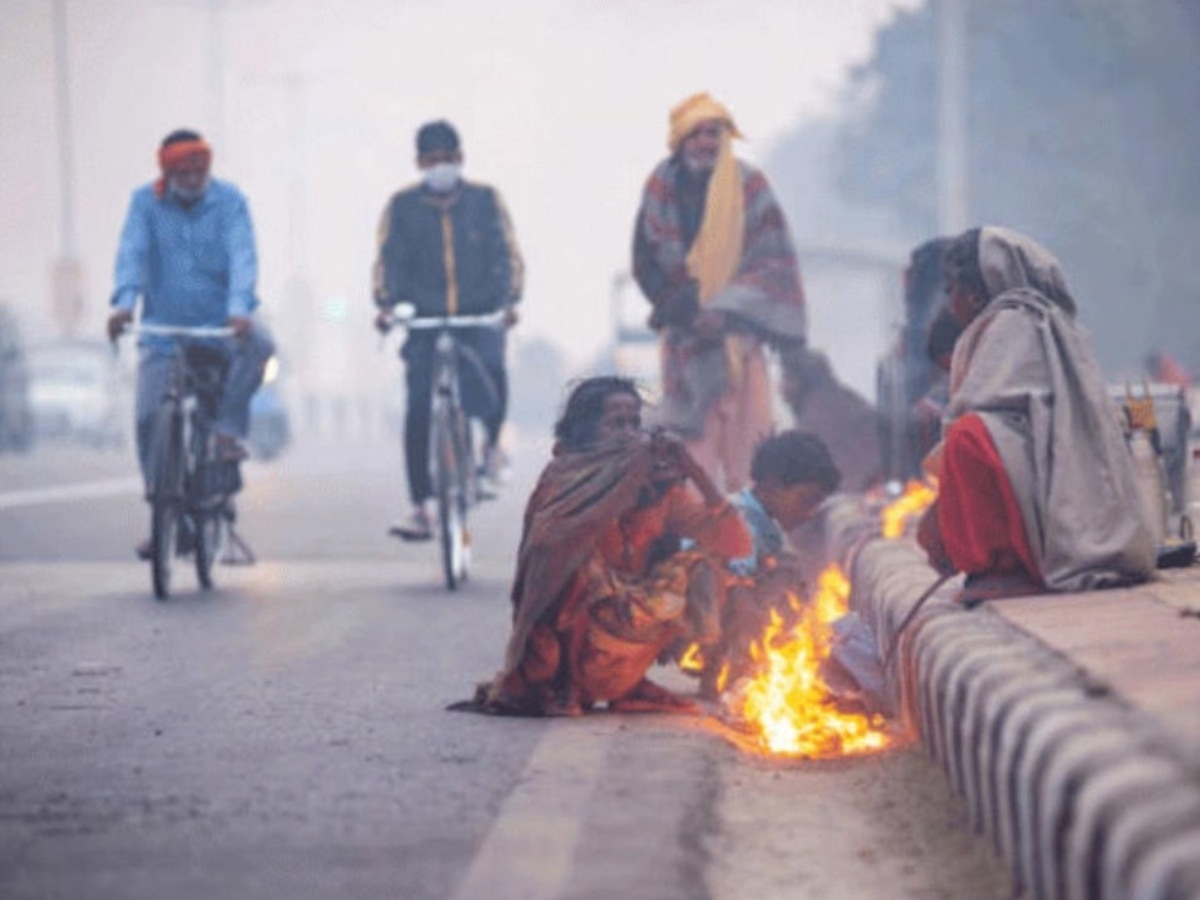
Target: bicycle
[190, 491]
[452, 459]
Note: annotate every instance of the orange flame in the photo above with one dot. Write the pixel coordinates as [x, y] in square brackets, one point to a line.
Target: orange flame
[916, 498]
[723, 678]
[692, 660]
[786, 705]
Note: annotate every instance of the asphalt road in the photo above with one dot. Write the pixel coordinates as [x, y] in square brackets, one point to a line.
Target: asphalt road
[285, 735]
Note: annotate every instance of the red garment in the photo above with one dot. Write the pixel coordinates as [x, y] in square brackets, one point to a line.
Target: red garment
[174, 155]
[587, 542]
[1168, 370]
[980, 522]
[626, 544]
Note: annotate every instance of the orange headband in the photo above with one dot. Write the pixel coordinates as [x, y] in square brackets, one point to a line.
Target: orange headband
[174, 155]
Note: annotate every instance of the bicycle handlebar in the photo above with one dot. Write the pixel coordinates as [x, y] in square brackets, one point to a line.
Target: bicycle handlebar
[194, 331]
[467, 321]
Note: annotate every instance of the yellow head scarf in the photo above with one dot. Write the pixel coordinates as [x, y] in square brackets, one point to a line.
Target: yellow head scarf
[714, 256]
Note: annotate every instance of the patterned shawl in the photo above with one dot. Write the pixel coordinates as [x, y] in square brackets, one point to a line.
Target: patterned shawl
[764, 295]
[577, 497]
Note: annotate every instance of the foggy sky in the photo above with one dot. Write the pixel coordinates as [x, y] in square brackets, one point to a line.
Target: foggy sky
[562, 104]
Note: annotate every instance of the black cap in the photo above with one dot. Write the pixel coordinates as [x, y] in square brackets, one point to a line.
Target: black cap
[439, 135]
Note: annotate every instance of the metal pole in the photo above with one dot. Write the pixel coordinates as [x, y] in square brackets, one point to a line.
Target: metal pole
[309, 332]
[296, 93]
[66, 273]
[953, 209]
[216, 73]
[66, 174]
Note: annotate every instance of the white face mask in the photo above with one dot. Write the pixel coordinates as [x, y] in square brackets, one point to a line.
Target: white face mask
[442, 177]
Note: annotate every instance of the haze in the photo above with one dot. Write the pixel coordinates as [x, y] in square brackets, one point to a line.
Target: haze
[312, 106]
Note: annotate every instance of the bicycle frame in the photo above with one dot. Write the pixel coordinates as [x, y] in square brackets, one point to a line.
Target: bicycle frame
[451, 448]
[188, 487]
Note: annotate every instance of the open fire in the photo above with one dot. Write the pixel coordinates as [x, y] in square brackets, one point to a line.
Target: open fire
[896, 515]
[786, 707]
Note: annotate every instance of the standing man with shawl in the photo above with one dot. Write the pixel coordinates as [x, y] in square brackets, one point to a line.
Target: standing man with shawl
[1036, 484]
[712, 253]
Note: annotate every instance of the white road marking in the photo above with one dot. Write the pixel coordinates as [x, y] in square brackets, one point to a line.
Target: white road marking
[90, 490]
[527, 854]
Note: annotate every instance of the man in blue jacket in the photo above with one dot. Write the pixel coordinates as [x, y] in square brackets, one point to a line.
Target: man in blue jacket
[447, 247]
[187, 251]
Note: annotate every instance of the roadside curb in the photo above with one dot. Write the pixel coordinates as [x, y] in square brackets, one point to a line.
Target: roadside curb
[1083, 793]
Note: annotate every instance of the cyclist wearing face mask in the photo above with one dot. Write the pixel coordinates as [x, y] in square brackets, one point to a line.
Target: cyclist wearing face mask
[187, 252]
[446, 246]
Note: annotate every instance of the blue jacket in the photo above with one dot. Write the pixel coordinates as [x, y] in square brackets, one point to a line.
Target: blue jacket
[765, 533]
[478, 270]
[191, 266]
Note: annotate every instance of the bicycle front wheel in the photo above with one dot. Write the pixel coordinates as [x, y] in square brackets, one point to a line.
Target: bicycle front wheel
[452, 505]
[211, 534]
[166, 495]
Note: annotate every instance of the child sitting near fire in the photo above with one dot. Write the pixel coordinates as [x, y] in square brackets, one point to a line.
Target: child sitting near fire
[792, 473]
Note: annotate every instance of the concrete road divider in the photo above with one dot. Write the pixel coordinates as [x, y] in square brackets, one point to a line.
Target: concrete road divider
[1070, 724]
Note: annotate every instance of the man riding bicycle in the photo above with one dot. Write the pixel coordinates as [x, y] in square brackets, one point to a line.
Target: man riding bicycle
[187, 249]
[447, 247]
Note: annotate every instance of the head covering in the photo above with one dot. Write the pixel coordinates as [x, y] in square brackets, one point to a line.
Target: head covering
[1009, 260]
[439, 135]
[690, 112]
[177, 149]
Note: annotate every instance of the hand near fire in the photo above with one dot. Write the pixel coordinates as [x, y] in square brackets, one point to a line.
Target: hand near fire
[673, 463]
[783, 575]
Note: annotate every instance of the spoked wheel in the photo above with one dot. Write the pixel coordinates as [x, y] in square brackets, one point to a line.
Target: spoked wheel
[164, 535]
[452, 511]
[212, 532]
[166, 499]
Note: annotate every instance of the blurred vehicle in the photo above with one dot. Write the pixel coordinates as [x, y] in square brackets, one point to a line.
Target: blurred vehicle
[1171, 436]
[16, 421]
[79, 392]
[270, 425]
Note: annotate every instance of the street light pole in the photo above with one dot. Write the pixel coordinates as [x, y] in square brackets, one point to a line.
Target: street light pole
[216, 73]
[67, 275]
[310, 334]
[215, 52]
[953, 200]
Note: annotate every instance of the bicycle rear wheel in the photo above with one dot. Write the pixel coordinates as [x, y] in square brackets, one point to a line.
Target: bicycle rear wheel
[166, 496]
[452, 504]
